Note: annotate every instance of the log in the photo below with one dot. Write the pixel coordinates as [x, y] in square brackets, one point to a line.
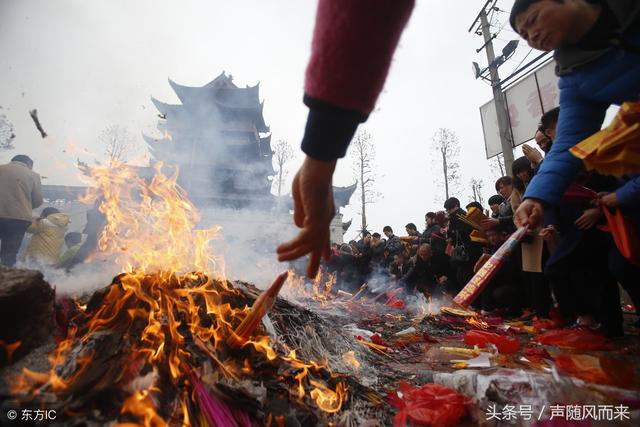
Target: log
[26, 312]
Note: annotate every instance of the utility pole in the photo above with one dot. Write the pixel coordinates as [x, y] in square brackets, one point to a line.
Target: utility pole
[498, 96]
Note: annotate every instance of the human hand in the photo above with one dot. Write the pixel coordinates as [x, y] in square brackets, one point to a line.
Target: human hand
[313, 210]
[442, 280]
[530, 212]
[588, 219]
[532, 154]
[549, 232]
[609, 200]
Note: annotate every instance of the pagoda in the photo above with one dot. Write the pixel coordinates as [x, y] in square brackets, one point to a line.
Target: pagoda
[218, 139]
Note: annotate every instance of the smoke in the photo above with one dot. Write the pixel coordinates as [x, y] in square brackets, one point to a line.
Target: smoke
[84, 278]
[248, 241]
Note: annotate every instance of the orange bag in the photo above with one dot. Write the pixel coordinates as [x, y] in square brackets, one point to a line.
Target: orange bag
[625, 235]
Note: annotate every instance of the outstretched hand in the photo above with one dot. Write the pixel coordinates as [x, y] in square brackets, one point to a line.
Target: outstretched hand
[531, 213]
[313, 210]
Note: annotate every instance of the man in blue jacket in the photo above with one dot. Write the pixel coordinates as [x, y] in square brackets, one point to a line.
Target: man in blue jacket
[596, 46]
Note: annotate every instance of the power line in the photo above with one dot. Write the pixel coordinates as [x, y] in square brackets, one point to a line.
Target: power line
[523, 59]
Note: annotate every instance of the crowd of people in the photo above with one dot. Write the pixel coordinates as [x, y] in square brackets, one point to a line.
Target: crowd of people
[578, 264]
[43, 240]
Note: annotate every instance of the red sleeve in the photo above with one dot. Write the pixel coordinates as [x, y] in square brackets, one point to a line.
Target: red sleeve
[352, 48]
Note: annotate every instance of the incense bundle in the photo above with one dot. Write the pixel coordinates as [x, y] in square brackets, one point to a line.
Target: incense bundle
[475, 217]
[260, 307]
[477, 283]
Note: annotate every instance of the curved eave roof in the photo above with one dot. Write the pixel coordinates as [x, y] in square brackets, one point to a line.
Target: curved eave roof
[265, 146]
[342, 195]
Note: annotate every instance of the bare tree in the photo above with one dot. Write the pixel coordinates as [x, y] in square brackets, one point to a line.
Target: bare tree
[476, 188]
[7, 134]
[363, 155]
[118, 143]
[282, 153]
[497, 166]
[446, 143]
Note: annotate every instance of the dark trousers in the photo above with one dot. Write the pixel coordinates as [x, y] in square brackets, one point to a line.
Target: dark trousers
[11, 235]
[539, 293]
[627, 274]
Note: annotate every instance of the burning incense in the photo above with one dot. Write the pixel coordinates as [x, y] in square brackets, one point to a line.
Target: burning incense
[260, 307]
[477, 283]
[362, 289]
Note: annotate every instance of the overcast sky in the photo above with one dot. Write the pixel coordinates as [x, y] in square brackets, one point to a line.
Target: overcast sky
[87, 64]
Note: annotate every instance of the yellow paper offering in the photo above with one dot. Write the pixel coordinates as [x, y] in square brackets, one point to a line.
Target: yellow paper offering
[615, 150]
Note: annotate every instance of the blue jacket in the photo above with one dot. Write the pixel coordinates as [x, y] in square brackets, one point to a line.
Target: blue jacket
[585, 95]
[629, 194]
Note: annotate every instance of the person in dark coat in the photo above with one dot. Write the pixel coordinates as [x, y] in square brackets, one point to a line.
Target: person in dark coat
[423, 275]
[394, 244]
[494, 204]
[459, 232]
[626, 198]
[504, 291]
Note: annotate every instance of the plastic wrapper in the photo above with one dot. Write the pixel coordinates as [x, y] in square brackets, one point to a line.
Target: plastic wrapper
[599, 370]
[482, 339]
[545, 324]
[625, 234]
[535, 354]
[430, 405]
[395, 302]
[574, 338]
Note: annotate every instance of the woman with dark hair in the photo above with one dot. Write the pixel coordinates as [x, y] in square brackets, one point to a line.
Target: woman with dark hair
[522, 175]
[539, 289]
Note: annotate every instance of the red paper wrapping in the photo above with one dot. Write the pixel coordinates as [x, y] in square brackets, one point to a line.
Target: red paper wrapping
[483, 338]
[477, 283]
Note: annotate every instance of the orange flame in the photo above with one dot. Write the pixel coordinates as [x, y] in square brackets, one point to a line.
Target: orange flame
[327, 399]
[151, 225]
[151, 231]
[477, 323]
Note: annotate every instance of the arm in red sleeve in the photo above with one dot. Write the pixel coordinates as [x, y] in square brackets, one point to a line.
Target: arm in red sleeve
[353, 44]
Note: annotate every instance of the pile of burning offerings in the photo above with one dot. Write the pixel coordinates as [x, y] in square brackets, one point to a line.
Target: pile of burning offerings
[159, 345]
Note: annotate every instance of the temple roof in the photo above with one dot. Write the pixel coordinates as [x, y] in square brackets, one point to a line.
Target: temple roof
[342, 195]
[222, 92]
[265, 146]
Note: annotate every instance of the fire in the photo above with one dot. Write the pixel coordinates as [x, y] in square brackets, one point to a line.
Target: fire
[170, 309]
[140, 405]
[327, 399]
[350, 358]
[10, 349]
[151, 226]
[320, 289]
[477, 323]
